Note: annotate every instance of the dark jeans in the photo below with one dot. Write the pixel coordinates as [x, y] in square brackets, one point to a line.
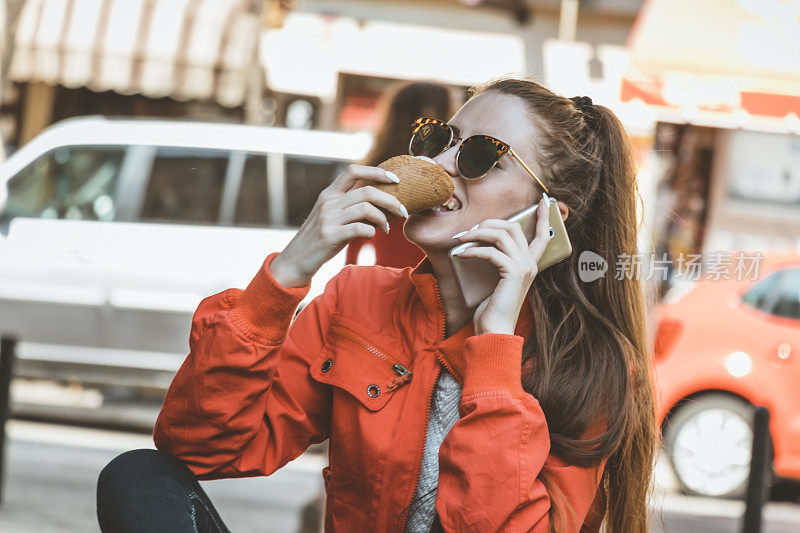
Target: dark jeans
[150, 490]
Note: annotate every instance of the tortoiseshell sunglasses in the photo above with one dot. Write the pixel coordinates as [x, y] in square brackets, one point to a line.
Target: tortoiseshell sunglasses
[477, 155]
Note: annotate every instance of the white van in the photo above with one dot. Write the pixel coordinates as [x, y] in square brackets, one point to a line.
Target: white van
[113, 230]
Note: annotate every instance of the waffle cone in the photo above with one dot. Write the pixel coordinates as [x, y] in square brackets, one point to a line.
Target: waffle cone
[422, 184]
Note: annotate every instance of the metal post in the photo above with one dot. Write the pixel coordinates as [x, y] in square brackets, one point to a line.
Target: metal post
[568, 20]
[757, 482]
[255, 75]
[7, 348]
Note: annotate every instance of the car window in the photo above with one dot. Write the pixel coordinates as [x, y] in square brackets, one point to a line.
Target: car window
[185, 185]
[252, 202]
[306, 177]
[787, 303]
[70, 182]
[762, 295]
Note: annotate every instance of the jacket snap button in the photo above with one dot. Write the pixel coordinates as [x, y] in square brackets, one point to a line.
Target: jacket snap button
[327, 365]
[373, 390]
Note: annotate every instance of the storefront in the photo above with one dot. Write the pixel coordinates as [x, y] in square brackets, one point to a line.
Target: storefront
[724, 170]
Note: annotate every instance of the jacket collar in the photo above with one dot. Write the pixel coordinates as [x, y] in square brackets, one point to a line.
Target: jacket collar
[424, 280]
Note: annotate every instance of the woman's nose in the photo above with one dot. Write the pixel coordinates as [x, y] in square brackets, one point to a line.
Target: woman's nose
[447, 160]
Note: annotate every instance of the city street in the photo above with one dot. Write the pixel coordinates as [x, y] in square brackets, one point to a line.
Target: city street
[180, 180]
[51, 471]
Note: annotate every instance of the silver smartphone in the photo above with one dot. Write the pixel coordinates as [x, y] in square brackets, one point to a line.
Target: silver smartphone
[477, 277]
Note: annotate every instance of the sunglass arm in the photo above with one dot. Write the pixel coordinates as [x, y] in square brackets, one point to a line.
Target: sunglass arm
[512, 152]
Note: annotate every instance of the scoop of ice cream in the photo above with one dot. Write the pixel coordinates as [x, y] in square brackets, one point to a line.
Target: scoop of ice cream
[423, 184]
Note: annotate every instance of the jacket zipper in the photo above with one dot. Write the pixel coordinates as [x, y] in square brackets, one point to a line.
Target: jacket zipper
[427, 418]
[403, 374]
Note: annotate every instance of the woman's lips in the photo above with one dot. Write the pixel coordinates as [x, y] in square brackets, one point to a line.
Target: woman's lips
[452, 201]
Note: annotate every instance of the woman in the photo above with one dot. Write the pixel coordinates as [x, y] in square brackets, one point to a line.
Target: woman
[531, 412]
[401, 108]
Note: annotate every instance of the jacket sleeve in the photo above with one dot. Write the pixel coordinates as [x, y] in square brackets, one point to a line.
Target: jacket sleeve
[243, 402]
[490, 461]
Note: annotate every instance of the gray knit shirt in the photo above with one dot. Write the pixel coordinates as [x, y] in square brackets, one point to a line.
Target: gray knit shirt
[444, 413]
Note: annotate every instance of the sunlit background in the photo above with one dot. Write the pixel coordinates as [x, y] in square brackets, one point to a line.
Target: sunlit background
[155, 151]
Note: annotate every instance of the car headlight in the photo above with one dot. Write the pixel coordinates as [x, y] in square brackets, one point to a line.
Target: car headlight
[738, 364]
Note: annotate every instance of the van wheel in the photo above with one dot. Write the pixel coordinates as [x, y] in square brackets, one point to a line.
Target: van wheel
[708, 442]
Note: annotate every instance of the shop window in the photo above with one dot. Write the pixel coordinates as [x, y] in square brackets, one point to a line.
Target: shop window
[185, 186]
[306, 177]
[70, 182]
[252, 203]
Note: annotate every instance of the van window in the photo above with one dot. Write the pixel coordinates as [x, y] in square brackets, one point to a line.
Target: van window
[185, 185]
[252, 202]
[72, 182]
[306, 177]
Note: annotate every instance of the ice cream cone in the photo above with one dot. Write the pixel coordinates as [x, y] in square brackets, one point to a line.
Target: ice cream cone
[422, 184]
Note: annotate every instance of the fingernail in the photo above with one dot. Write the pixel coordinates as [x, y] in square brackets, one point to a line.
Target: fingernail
[546, 198]
[392, 176]
[475, 226]
[404, 210]
[387, 227]
[458, 252]
[457, 235]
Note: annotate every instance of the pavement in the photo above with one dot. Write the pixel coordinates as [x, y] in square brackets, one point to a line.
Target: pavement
[51, 475]
[51, 479]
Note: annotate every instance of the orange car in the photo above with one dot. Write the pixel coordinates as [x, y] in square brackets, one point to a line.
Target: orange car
[724, 347]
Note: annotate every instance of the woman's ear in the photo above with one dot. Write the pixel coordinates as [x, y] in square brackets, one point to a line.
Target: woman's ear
[564, 210]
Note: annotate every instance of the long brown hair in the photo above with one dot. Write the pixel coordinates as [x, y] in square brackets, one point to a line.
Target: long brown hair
[588, 358]
[401, 107]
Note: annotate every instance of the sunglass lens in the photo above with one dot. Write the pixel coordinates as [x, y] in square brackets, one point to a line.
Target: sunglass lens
[476, 157]
[429, 140]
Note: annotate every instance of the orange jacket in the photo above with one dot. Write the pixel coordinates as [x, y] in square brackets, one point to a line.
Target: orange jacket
[358, 365]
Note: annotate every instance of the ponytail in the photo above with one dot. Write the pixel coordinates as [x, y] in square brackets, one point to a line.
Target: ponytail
[586, 360]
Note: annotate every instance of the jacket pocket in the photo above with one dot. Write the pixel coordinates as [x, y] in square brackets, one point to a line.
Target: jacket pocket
[351, 361]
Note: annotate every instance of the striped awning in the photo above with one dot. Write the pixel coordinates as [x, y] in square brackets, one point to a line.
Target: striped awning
[183, 49]
[726, 56]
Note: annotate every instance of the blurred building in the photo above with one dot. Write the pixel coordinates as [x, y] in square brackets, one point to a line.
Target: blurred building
[717, 85]
[346, 53]
[324, 65]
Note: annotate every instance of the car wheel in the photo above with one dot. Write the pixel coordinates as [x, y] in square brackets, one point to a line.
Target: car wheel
[708, 442]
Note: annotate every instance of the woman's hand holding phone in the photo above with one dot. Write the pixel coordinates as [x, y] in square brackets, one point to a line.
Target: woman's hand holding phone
[516, 261]
[334, 221]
